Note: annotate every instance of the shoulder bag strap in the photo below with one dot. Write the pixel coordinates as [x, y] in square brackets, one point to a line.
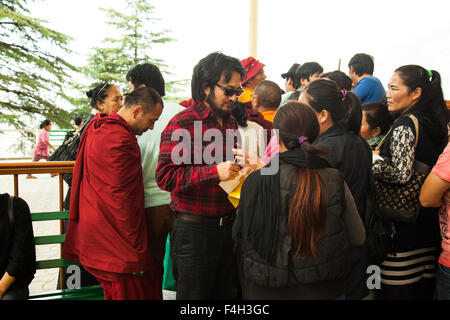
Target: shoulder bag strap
[383, 140]
[11, 210]
[416, 126]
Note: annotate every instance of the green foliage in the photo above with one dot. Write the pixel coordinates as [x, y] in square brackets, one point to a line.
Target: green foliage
[136, 37]
[33, 75]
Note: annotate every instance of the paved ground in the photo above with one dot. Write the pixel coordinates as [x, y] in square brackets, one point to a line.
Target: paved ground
[42, 194]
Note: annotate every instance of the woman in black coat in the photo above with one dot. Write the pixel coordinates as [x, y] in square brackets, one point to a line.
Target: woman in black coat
[339, 114]
[294, 228]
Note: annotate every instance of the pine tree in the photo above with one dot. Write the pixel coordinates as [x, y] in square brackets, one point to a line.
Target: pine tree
[137, 36]
[33, 76]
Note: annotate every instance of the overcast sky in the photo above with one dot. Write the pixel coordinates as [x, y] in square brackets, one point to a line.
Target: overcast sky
[394, 32]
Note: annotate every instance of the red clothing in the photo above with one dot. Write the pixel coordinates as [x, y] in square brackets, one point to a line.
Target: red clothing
[187, 103]
[194, 188]
[131, 287]
[107, 231]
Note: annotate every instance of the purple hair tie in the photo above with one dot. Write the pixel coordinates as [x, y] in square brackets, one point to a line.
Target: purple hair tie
[344, 93]
[302, 139]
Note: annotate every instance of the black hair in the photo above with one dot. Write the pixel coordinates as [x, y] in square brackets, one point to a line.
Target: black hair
[293, 120]
[99, 93]
[431, 106]
[210, 70]
[344, 106]
[149, 75]
[44, 123]
[269, 94]
[239, 112]
[377, 115]
[309, 201]
[342, 80]
[147, 97]
[362, 63]
[307, 69]
[353, 112]
[78, 120]
[291, 74]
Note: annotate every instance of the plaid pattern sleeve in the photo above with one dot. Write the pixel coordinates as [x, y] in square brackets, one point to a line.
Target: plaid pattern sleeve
[194, 186]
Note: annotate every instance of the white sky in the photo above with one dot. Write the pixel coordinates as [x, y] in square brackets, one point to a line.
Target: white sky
[394, 32]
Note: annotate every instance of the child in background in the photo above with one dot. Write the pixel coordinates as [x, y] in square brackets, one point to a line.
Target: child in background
[43, 142]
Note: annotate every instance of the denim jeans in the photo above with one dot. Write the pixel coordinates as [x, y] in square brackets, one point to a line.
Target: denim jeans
[205, 260]
[442, 283]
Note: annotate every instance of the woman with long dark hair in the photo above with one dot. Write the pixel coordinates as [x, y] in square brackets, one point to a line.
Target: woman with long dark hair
[339, 115]
[409, 272]
[294, 228]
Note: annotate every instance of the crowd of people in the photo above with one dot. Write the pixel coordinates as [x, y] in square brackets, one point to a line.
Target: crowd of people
[305, 159]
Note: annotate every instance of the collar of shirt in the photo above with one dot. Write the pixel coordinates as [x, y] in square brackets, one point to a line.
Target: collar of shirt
[202, 110]
[204, 113]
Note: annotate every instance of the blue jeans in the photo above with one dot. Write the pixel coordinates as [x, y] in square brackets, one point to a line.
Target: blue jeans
[442, 283]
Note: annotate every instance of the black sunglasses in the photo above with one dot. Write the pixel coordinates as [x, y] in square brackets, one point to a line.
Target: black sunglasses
[229, 92]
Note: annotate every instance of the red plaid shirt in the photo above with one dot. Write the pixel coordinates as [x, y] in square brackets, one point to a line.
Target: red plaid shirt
[194, 188]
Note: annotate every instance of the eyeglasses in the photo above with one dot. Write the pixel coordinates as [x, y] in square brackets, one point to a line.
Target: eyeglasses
[229, 92]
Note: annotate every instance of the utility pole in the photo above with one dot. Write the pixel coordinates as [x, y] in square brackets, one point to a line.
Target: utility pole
[253, 38]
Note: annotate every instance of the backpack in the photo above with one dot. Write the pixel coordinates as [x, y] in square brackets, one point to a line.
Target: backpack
[380, 232]
[68, 150]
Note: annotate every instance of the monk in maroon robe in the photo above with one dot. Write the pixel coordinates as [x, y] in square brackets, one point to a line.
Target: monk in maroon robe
[107, 232]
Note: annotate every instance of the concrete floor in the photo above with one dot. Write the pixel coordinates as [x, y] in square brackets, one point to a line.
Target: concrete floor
[42, 195]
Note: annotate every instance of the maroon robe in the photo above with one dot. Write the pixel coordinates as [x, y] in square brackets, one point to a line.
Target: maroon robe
[107, 231]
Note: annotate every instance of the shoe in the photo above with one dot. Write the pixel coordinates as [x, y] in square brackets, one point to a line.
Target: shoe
[53, 175]
[30, 177]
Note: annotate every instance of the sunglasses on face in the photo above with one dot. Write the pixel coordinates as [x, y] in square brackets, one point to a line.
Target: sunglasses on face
[229, 92]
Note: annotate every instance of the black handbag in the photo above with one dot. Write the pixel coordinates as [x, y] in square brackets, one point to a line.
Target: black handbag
[67, 151]
[380, 232]
[400, 202]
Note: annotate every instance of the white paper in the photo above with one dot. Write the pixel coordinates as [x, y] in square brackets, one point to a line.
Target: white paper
[376, 157]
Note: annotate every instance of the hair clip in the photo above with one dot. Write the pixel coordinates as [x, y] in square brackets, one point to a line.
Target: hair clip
[430, 73]
[344, 93]
[302, 139]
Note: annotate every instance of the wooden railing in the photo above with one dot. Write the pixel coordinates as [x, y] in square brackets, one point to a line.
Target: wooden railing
[16, 168]
[60, 167]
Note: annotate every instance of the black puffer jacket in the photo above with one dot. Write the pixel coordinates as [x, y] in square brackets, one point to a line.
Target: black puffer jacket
[332, 262]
